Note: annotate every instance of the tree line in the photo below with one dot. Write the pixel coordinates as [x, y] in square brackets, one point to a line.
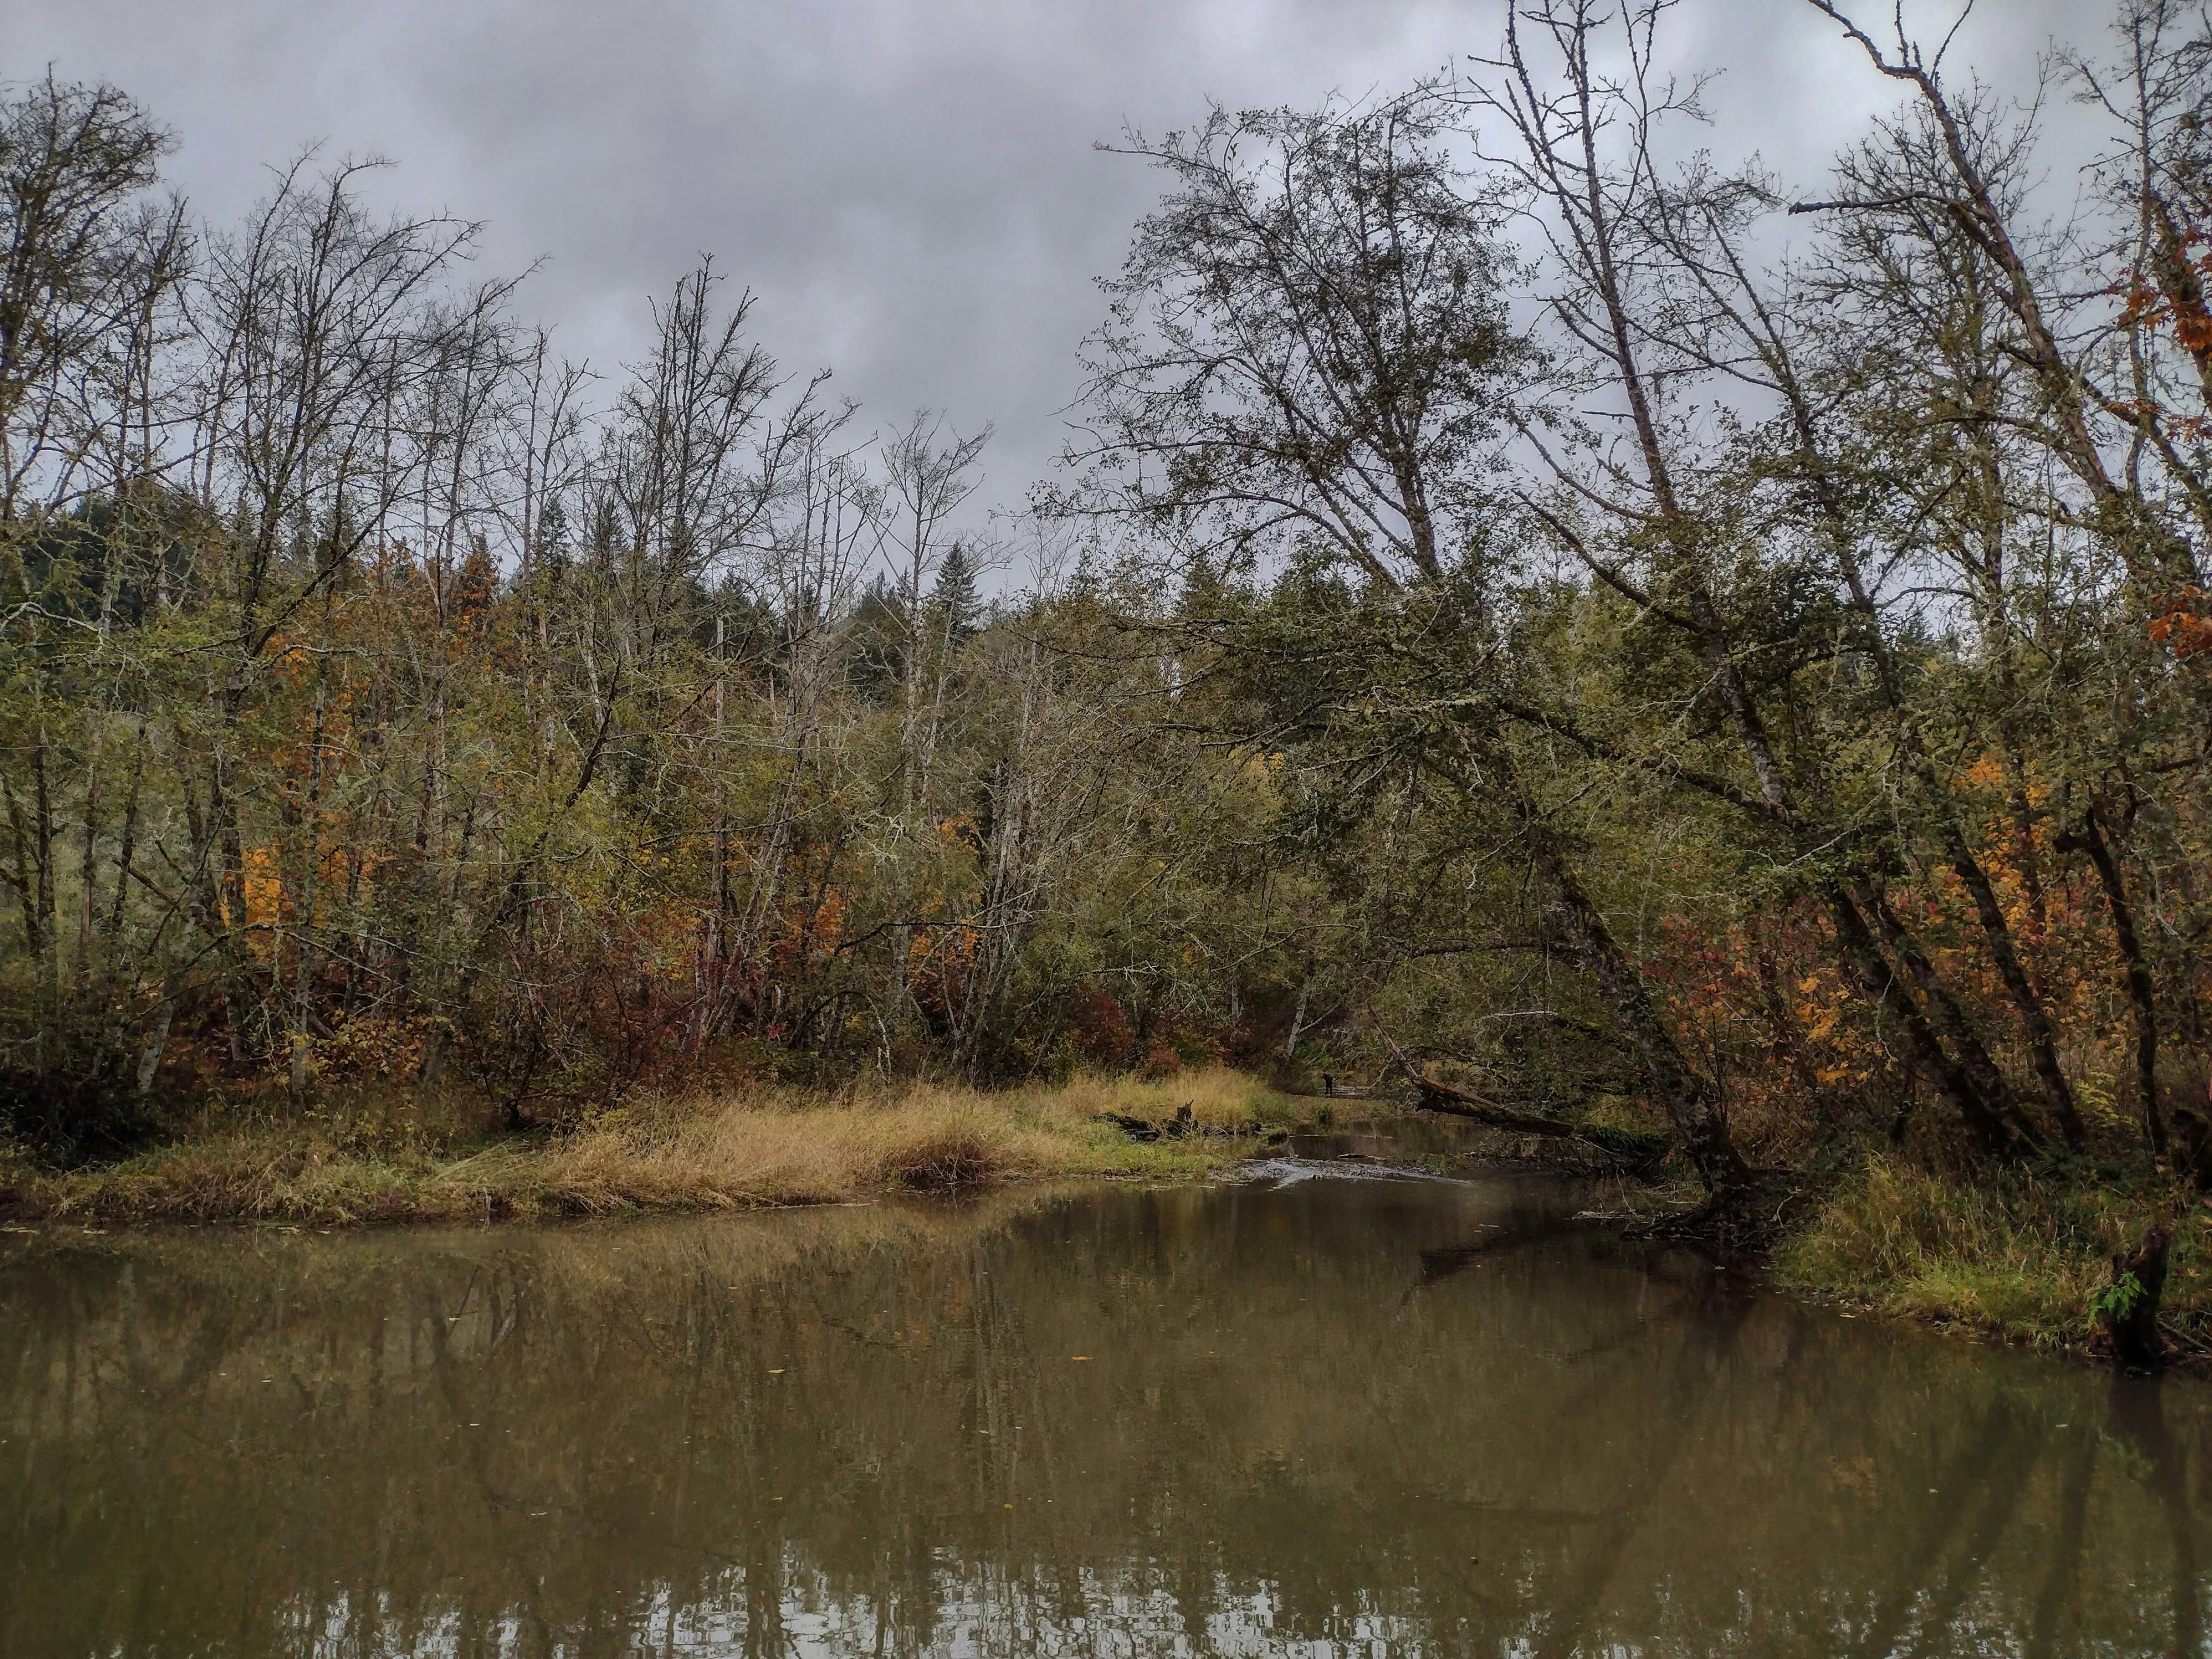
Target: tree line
[389, 701]
[1616, 634]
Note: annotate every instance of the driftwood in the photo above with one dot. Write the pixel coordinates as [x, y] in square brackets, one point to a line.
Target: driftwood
[1175, 1128]
[1433, 1094]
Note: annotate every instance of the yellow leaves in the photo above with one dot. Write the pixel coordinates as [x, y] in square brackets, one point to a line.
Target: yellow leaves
[2097, 1097]
[263, 886]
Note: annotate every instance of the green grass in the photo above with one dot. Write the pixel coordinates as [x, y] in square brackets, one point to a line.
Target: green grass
[2016, 1254]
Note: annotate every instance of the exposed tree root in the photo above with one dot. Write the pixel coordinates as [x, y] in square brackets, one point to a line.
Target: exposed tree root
[1740, 1226]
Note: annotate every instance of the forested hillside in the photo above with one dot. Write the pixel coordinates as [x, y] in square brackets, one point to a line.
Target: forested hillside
[1531, 601]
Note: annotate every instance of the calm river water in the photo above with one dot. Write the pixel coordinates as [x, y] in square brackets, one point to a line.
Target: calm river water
[1314, 1415]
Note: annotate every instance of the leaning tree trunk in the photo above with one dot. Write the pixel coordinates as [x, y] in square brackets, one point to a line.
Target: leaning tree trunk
[1685, 1096]
[2093, 840]
[1456, 1100]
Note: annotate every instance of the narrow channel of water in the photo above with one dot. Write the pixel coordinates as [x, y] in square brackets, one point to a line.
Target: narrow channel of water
[1314, 1415]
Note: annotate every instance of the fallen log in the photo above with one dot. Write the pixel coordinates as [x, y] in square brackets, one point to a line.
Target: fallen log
[1433, 1094]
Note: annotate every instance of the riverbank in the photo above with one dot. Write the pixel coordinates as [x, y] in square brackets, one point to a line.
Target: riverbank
[2018, 1257]
[773, 1147]
[2022, 1257]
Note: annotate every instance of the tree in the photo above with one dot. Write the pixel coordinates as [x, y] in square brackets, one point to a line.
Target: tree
[1308, 366]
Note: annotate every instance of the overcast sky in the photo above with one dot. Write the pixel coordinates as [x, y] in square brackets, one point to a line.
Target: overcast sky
[908, 186]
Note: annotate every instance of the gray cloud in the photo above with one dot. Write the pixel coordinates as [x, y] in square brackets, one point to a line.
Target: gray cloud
[910, 189]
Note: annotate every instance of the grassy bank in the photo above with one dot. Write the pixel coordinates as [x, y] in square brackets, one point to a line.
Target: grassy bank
[2015, 1256]
[763, 1148]
[2018, 1256]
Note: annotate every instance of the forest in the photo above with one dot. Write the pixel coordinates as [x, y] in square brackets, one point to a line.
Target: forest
[1534, 608]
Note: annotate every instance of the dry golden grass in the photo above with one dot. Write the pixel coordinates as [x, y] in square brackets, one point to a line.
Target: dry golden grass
[767, 1148]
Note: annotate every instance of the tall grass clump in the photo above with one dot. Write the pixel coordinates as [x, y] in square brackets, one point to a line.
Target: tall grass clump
[2016, 1251]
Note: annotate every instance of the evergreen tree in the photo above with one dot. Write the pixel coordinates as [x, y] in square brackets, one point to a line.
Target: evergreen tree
[953, 603]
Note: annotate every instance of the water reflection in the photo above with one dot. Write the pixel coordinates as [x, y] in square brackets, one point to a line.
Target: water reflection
[1332, 1417]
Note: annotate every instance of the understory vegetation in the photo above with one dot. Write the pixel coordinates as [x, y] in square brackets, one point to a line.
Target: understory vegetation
[1616, 641]
[2026, 1255]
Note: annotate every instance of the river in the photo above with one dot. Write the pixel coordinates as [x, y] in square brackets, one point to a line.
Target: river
[1309, 1414]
